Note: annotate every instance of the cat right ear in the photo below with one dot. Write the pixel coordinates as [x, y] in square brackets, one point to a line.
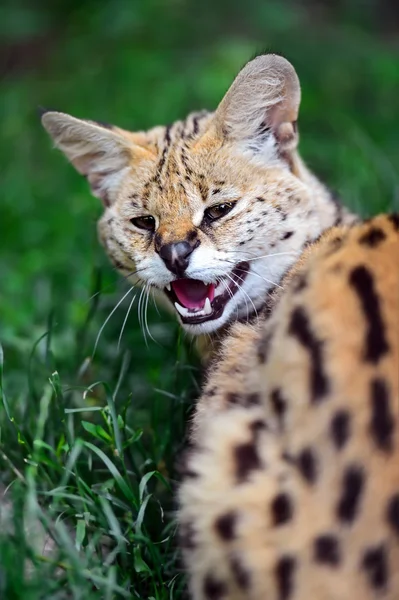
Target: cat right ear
[102, 153]
[260, 109]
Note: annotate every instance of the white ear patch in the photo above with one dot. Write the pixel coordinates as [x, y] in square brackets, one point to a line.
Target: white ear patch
[261, 150]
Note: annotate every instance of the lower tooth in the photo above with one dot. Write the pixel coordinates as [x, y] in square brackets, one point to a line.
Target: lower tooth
[207, 307]
[180, 309]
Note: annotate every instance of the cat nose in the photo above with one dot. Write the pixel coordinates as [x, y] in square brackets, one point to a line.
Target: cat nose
[176, 256]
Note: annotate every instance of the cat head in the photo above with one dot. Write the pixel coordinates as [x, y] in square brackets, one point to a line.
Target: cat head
[209, 211]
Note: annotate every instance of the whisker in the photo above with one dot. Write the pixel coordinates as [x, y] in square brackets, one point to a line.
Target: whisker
[229, 291]
[125, 321]
[146, 313]
[273, 255]
[266, 280]
[264, 255]
[107, 287]
[155, 301]
[242, 289]
[253, 272]
[256, 312]
[139, 314]
[108, 318]
[232, 296]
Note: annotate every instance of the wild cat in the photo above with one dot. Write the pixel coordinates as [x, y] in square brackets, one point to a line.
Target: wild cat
[291, 485]
[211, 211]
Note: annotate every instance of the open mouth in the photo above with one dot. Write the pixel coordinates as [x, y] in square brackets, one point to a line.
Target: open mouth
[198, 302]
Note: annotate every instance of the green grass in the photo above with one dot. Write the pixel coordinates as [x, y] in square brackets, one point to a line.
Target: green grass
[88, 444]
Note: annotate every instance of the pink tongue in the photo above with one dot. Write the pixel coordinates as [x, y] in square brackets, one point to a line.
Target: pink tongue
[192, 293]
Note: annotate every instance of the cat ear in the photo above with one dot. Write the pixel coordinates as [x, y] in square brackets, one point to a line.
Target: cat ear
[261, 107]
[100, 152]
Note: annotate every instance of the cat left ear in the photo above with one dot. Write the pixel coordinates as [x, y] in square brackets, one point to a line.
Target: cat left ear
[102, 153]
[261, 107]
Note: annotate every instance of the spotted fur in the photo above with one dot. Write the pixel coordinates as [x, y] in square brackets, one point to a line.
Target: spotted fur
[245, 154]
[291, 489]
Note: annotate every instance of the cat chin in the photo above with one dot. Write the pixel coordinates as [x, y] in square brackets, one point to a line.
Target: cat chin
[208, 327]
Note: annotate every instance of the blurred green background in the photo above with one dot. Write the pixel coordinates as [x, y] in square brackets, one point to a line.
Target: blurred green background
[138, 64]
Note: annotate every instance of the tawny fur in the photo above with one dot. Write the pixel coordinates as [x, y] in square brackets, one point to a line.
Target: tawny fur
[291, 489]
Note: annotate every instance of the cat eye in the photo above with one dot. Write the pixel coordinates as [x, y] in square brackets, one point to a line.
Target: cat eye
[147, 222]
[219, 210]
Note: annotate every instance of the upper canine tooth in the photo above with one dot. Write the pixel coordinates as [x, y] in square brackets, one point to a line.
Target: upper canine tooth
[207, 307]
[168, 287]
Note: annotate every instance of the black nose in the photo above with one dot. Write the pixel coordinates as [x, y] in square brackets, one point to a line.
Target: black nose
[176, 256]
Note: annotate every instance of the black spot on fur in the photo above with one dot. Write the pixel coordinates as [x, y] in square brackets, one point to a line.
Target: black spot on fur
[203, 189]
[335, 243]
[300, 328]
[307, 465]
[232, 398]
[375, 564]
[279, 405]
[299, 283]
[283, 218]
[252, 399]
[187, 536]
[118, 265]
[214, 589]
[263, 348]
[394, 218]
[195, 125]
[288, 458]
[382, 422]
[183, 463]
[167, 134]
[240, 573]
[216, 191]
[376, 344]
[284, 573]
[161, 163]
[392, 513]
[373, 237]
[326, 550]
[287, 235]
[225, 526]
[246, 460]
[257, 426]
[281, 509]
[352, 488]
[338, 217]
[210, 392]
[340, 428]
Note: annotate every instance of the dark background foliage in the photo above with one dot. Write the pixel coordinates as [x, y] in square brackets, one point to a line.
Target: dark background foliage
[137, 64]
